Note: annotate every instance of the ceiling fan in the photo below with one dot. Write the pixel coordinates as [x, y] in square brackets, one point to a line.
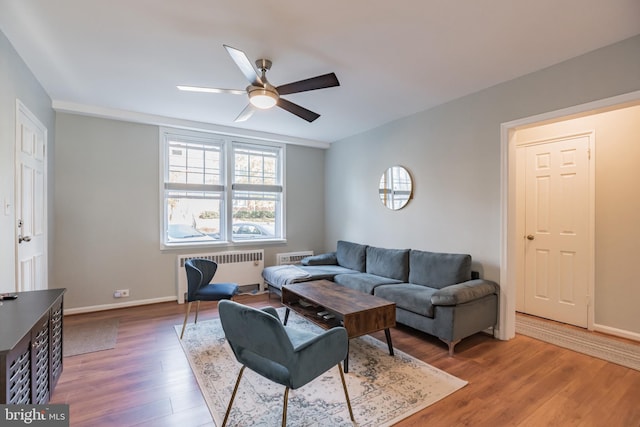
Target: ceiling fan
[264, 95]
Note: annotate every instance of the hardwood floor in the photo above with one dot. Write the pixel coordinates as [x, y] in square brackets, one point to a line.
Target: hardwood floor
[146, 379]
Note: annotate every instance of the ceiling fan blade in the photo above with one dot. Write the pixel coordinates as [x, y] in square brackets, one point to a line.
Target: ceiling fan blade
[299, 111]
[245, 65]
[211, 90]
[318, 82]
[246, 113]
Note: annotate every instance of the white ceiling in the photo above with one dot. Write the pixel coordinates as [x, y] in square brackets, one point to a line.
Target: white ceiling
[393, 58]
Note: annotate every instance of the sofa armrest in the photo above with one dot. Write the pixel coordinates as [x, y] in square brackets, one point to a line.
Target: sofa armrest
[321, 259]
[464, 292]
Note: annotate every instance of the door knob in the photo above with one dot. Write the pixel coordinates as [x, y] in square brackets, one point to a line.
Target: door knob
[24, 239]
[530, 237]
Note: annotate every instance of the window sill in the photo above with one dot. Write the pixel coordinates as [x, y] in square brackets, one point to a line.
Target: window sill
[168, 247]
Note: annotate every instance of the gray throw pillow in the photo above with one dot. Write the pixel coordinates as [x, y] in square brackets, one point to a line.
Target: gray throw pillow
[321, 259]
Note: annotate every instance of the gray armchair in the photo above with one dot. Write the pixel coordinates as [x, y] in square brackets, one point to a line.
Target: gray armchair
[287, 356]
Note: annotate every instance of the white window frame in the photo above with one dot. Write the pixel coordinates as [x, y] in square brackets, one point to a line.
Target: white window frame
[226, 187]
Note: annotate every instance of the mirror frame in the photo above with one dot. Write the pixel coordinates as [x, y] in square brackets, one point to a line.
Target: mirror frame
[395, 188]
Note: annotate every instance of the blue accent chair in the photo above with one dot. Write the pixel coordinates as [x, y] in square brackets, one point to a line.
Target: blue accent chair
[200, 272]
[288, 356]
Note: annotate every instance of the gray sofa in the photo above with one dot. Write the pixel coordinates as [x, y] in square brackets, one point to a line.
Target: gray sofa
[434, 292]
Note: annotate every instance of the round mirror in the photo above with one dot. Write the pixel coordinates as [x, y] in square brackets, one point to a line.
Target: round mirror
[396, 187]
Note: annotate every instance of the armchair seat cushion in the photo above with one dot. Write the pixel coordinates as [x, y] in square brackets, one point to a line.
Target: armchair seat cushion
[298, 337]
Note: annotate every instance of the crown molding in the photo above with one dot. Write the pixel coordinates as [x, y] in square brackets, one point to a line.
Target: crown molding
[150, 119]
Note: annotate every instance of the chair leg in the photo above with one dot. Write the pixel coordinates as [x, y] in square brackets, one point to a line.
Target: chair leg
[186, 316]
[197, 310]
[346, 393]
[284, 407]
[233, 396]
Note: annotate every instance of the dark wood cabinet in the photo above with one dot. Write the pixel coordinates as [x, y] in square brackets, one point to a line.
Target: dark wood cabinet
[31, 346]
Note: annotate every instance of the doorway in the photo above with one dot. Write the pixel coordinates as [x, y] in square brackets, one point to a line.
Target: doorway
[555, 209]
[613, 314]
[31, 201]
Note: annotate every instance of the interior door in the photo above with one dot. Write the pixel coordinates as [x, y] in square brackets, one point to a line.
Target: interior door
[557, 227]
[31, 206]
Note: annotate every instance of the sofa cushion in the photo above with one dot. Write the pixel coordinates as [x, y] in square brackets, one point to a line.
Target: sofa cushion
[321, 259]
[362, 282]
[437, 270]
[392, 263]
[414, 298]
[351, 255]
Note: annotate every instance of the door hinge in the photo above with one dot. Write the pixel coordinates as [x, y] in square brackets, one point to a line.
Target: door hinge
[589, 153]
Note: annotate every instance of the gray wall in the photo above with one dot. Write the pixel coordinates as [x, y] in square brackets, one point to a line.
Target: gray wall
[107, 210]
[17, 82]
[453, 152]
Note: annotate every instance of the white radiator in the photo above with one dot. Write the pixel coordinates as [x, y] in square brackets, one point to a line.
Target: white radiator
[241, 267]
[292, 257]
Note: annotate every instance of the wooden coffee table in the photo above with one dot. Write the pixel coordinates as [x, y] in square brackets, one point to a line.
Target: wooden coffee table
[358, 312]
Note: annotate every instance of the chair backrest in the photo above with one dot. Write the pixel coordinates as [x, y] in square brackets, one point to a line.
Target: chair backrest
[200, 272]
[256, 337]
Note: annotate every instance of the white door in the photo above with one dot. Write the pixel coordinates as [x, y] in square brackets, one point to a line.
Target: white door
[31, 206]
[557, 227]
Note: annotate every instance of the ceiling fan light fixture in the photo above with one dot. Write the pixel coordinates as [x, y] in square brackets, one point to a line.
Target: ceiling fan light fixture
[263, 98]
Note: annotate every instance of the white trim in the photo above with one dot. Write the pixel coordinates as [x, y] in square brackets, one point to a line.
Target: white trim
[617, 332]
[150, 119]
[103, 307]
[507, 317]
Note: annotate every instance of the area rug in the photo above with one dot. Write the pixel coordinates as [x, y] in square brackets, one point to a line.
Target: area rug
[602, 347]
[383, 389]
[89, 337]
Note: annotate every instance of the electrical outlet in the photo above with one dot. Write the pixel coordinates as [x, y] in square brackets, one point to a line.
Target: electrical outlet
[121, 293]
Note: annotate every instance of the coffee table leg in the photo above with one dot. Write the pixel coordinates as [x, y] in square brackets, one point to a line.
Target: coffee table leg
[345, 363]
[286, 316]
[387, 333]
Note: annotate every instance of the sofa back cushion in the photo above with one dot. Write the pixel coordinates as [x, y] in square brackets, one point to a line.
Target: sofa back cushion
[437, 270]
[392, 263]
[351, 255]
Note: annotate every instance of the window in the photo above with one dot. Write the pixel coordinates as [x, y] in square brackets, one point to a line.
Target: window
[218, 190]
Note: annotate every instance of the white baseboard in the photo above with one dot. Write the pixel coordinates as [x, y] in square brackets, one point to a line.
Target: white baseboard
[617, 332]
[92, 308]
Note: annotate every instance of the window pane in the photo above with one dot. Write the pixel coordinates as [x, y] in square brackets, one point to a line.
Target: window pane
[193, 216]
[254, 215]
[255, 165]
[194, 163]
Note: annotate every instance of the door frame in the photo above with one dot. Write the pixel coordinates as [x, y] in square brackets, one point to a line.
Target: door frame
[23, 111]
[508, 199]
